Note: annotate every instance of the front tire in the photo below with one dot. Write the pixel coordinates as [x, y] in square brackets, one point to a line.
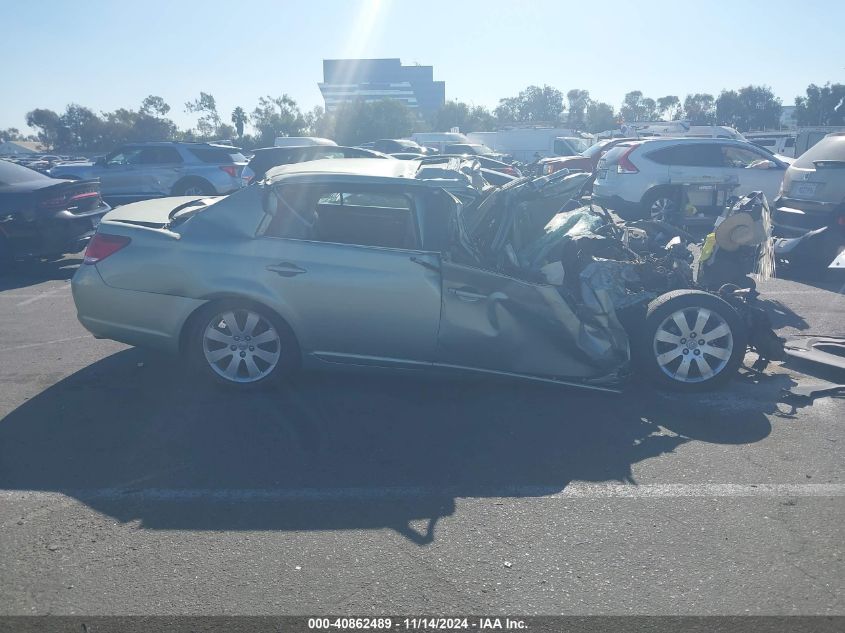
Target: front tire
[242, 345]
[690, 341]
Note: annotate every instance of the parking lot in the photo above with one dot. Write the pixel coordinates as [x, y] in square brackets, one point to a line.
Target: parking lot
[129, 486]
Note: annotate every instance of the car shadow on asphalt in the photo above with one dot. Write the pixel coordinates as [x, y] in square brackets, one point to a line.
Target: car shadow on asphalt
[134, 436]
[28, 273]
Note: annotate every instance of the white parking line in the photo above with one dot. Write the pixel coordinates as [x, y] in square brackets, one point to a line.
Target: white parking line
[58, 340]
[572, 491]
[43, 295]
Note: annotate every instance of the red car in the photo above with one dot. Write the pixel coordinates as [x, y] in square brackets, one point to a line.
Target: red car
[585, 161]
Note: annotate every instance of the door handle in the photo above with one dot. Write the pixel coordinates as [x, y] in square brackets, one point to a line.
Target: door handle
[286, 269]
[467, 295]
[426, 264]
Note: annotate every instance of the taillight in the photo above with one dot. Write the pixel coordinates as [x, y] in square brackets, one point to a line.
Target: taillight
[232, 170]
[624, 164]
[102, 245]
[841, 220]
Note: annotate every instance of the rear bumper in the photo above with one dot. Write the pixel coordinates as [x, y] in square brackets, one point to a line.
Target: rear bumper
[63, 232]
[793, 218]
[144, 319]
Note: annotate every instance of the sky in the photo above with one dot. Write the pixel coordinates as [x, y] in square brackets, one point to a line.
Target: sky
[112, 54]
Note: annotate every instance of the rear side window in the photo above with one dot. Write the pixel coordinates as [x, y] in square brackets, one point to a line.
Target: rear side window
[829, 148]
[359, 217]
[159, 156]
[689, 155]
[217, 155]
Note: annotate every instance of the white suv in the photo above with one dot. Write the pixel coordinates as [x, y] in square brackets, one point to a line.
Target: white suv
[641, 178]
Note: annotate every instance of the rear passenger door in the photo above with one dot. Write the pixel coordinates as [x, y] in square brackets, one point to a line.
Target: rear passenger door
[693, 162]
[158, 170]
[347, 262]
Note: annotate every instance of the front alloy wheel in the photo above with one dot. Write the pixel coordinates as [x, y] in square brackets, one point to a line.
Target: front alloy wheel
[693, 345]
[690, 340]
[241, 346]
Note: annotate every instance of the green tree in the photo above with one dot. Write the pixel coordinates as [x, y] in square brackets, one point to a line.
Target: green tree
[318, 122]
[239, 118]
[749, 108]
[579, 101]
[82, 129]
[14, 134]
[467, 118]
[209, 120]
[635, 107]
[631, 109]
[822, 105]
[47, 124]
[600, 117]
[361, 121]
[650, 110]
[154, 105]
[534, 104]
[669, 107]
[277, 116]
[699, 109]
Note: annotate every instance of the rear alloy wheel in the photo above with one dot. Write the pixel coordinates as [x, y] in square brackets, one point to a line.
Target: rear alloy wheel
[243, 345]
[692, 340]
[661, 204]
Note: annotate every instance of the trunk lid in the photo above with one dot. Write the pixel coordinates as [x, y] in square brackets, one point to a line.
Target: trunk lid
[160, 212]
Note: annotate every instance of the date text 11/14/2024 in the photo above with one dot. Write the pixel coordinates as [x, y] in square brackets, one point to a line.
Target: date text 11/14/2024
[417, 624]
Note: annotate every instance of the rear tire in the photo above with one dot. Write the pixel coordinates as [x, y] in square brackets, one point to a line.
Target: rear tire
[661, 203]
[690, 341]
[193, 187]
[242, 345]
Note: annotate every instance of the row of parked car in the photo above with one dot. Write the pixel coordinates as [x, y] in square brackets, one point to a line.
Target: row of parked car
[635, 177]
[640, 178]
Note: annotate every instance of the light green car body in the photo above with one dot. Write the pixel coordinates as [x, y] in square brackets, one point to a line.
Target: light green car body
[348, 305]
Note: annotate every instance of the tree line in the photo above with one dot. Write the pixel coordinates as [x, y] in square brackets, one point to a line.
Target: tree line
[81, 129]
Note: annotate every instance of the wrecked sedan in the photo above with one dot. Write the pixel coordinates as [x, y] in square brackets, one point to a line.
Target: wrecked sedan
[373, 263]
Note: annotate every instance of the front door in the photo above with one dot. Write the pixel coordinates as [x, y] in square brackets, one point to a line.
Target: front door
[118, 178]
[494, 322]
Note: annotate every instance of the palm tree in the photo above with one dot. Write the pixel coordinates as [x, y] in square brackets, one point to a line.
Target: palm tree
[239, 118]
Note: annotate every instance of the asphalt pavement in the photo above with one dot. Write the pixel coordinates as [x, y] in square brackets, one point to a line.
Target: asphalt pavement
[130, 486]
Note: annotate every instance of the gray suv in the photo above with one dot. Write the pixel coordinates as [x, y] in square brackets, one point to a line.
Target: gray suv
[153, 170]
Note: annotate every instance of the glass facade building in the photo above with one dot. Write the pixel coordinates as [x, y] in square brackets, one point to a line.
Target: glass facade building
[347, 80]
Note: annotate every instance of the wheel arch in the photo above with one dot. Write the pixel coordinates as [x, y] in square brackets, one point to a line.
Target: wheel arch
[221, 297]
[656, 189]
[186, 180]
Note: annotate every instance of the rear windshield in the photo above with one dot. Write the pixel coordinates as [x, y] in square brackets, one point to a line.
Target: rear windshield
[829, 148]
[12, 174]
[217, 154]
